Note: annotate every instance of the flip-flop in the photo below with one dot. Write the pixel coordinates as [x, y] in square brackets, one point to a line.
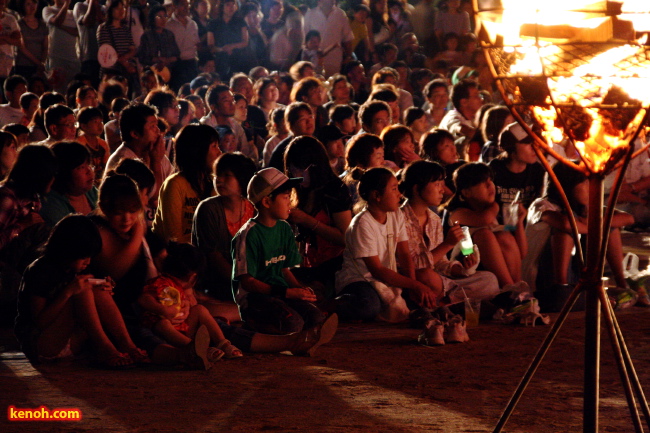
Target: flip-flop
[318, 336]
[139, 356]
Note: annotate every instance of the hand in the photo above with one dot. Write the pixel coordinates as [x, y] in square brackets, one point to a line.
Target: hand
[470, 261]
[407, 155]
[303, 293]
[521, 214]
[170, 312]
[157, 151]
[31, 219]
[424, 296]
[228, 49]
[454, 235]
[79, 284]
[297, 216]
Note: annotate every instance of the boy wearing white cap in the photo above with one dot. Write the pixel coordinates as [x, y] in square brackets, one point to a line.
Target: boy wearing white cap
[270, 298]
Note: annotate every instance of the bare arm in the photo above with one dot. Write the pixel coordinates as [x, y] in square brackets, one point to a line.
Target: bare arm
[334, 234]
[472, 218]
[119, 255]
[14, 38]
[251, 284]
[44, 315]
[58, 20]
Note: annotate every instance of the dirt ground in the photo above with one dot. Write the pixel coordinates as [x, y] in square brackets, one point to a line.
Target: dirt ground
[371, 378]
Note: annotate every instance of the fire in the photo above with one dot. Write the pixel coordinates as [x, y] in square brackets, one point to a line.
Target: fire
[596, 88]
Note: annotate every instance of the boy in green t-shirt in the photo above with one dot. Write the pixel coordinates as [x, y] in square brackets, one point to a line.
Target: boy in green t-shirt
[270, 298]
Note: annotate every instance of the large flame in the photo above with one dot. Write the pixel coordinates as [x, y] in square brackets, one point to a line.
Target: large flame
[596, 97]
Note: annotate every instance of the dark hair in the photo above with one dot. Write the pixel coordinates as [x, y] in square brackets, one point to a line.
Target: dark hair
[138, 171]
[259, 87]
[191, 148]
[241, 166]
[460, 91]
[276, 118]
[370, 109]
[34, 169]
[26, 100]
[492, 123]
[382, 74]
[69, 155]
[339, 113]
[119, 192]
[297, 70]
[467, 176]
[238, 97]
[249, 7]
[212, 98]
[308, 153]
[301, 88]
[359, 149]
[391, 136]
[374, 179]
[55, 113]
[182, 260]
[73, 238]
[15, 129]
[161, 99]
[112, 4]
[433, 85]
[151, 19]
[82, 91]
[12, 82]
[119, 104]
[412, 114]
[384, 92]
[6, 138]
[312, 34]
[238, 78]
[293, 111]
[334, 80]
[133, 119]
[430, 141]
[113, 89]
[419, 174]
[87, 114]
[569, 178]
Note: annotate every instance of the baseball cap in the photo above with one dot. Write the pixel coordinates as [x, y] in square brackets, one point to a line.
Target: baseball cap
[267, 181]
[513, 134]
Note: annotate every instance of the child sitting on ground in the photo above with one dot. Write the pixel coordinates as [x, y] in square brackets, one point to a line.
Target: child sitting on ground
[91, 125]
[270, 298]
[172, 311]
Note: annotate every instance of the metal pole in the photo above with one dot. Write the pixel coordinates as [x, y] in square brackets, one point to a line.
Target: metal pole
[593, 279]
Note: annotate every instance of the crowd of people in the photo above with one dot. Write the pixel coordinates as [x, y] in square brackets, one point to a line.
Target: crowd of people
[186, 182]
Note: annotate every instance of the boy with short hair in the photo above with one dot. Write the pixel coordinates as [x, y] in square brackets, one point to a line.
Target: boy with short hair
[270, 298]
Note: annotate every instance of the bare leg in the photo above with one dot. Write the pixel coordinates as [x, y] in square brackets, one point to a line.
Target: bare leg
[492, 256]
[511, 254]
[112, 321]
[173, 336]
[615, 257]
[430, 278]
[561, 246]
[199, 315]
[78, 322]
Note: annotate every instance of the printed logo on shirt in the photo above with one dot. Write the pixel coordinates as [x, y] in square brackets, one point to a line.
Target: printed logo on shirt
[275, 260]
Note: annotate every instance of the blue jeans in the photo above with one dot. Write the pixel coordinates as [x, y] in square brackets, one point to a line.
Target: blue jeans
[358, 301]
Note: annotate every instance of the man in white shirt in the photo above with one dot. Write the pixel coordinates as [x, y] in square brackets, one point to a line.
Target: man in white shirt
[334, 28]
[467, 100]
[222, 109]
[62, 56]
[14, 87]
[186, 33]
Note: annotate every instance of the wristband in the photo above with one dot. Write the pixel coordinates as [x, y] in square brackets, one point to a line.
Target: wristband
[279, 291]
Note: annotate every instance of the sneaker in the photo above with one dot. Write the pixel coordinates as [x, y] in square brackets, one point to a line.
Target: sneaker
[622, 298]
[455, 330]
[433, 334]
[526, 313]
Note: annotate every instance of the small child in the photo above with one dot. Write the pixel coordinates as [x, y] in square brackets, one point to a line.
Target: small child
[270, 298]
[278, 131]
[172, 311]
[91, 125]
[227, 139]
[112, 127]
[311, 51]
[361, 44]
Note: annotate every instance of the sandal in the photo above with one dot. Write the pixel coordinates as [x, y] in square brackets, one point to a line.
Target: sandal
[214, 354]
[229, 350]
[139, 356]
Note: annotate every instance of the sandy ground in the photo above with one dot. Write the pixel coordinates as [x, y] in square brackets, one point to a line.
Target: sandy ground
[371, 378]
